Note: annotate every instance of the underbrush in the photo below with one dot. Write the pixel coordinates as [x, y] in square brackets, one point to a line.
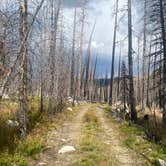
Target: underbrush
[135, 138]
[154, 129]
[13, 150]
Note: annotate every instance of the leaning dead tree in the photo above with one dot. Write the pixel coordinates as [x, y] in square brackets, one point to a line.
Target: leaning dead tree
[87, 65]
[7, 77]
[113, 53]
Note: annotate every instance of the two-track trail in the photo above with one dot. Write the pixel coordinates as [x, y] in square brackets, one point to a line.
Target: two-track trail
[70, 134]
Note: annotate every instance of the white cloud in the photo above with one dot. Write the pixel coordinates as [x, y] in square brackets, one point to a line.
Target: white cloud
[96, 45]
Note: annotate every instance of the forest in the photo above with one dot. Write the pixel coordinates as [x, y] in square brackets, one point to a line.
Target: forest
[82, 82]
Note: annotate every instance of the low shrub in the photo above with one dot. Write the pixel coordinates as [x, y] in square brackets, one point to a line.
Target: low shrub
[12, 160]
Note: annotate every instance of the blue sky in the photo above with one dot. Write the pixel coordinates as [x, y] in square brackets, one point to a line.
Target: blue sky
[103, 11]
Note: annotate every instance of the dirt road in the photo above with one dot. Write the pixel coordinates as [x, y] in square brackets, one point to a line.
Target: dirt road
[70, 133]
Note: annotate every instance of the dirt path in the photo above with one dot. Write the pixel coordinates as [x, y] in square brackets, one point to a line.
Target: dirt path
[111, 136]
[68, 134]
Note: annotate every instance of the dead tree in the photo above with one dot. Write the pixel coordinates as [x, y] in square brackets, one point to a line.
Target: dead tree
[144, 54]
[72, 81]
[157, 18]
[22, 114]
[130, 63]
[113, 54]
[80, 54]
[87, 65]
[124, 85]
[54, 21]
[119, 68]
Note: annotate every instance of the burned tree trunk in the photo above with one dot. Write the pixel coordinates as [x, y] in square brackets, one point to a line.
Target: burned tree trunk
[113, 54]
[130, 63]
[22, 114]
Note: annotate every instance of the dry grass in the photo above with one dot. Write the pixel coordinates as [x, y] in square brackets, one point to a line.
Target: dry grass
[39, 126]
[90, 117]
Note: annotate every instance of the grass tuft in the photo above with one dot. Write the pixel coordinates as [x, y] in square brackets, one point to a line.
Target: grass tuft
[90, 117]
[30, 146]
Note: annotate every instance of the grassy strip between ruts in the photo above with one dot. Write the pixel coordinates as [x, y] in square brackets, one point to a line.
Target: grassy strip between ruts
[35, 141]
[133, 138]
[91, 147]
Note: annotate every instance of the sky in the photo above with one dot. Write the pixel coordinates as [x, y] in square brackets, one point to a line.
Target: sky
[104, 11]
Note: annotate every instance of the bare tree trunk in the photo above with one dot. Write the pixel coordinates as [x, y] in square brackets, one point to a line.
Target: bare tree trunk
[144, 56]
[94, 84]
[119, 68]
[80, 55]
[113, 54]
[106, 87]
[148, 81]
[87, 64]
[72, 83]
[54, 21]
[164, 59]
[21, 47]
[138, 73]
[130, 63]
[22, 114]
[43, 52]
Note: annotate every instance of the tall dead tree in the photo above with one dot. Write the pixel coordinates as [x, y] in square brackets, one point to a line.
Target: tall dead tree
[148, 79]
[8, 74]
[157, 18]
[80, 54]
[124, 85]
[87, 65]
[138, 73]
[130, 64]
[55, 8]
[144, 54]
[163, 29]
[22, 114]
[93, 82]
[72, 81]
[119, 68]
[113, 54]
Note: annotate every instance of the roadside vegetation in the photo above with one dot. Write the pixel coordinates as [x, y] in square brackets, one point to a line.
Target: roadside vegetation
[135, 137]
[13, 149]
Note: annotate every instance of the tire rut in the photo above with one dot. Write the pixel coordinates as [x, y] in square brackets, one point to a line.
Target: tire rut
[67, 134]
[111, 136]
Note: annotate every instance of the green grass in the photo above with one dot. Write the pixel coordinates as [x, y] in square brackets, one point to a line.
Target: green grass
[12, 160]
[30, 146]
[133, 138]
[14, 151]
[90, 146]
[135, 141]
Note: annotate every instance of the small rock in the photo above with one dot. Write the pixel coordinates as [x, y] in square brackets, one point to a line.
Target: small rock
[161, 162]
[5, 96]
[66, 149]
[42, 164]
[63, 140]
[150, 149]
[12, 123]
[69, 109]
